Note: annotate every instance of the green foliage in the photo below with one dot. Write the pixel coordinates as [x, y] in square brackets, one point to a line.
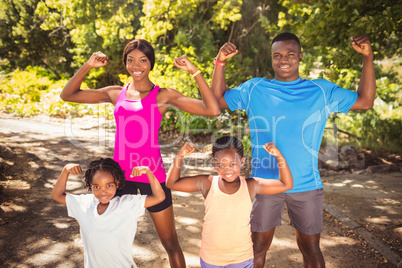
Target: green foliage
[387, 132]
[380, 127]
[59, 36]
[374, 130]
[31, 92]
[325, 27]
[234, 123]
[24, 43]
[22, 88]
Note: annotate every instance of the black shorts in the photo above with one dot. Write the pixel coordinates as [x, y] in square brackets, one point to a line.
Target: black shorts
[132, 187]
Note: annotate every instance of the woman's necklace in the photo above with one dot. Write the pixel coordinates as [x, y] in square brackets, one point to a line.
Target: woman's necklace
[150, 86]
[135, 94]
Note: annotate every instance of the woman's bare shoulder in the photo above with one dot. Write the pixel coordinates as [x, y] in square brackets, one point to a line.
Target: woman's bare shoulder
[113, 88]
[113, 92]
[166, 94]
[167, 90]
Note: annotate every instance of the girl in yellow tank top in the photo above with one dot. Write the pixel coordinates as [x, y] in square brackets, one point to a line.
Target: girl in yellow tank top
[226, 236]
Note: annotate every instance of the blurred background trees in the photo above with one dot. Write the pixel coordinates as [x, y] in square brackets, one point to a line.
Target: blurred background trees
[43, 43]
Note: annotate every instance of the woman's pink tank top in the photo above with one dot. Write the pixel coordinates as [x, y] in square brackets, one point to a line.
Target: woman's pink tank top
[136, 139]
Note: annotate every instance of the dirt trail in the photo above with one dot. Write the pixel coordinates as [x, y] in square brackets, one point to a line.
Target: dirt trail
[36, 232]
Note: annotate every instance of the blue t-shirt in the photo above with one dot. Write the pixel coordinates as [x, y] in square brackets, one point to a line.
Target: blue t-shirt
[293, 116]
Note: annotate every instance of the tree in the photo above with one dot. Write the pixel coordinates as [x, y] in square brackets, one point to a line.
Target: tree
[24, 43]
[93, 26]
[325, 28]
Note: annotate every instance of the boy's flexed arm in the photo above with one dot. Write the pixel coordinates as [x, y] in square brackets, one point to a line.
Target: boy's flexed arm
[185, 184]
[367, 85]
[158, 195]
[272, 186]
[218, 84]
[59, 190]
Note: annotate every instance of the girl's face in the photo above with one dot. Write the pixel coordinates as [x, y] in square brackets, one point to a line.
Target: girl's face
[228, 164]
[138, 65]
[103, 186]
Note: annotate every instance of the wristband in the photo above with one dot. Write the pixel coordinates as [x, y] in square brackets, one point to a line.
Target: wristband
[219, 63]
[196, 73]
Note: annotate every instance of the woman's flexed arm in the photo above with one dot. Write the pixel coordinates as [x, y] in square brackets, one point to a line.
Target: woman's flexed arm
[72, 91]
[207, 106]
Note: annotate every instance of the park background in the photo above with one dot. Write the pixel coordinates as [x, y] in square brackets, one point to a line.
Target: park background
[43, 43]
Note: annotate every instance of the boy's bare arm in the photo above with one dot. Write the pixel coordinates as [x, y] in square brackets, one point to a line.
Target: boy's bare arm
[218, 83]
[367, 85]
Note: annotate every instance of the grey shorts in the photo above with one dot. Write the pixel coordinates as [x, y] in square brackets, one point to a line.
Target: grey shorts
[305, 211]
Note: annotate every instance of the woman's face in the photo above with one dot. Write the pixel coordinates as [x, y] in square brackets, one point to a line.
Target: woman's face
[138, 65]
[103, 186]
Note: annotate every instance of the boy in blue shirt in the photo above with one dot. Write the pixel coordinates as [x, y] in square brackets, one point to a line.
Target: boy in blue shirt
[291, 112]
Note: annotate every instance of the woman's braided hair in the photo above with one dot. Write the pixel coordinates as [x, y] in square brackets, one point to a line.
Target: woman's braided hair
[106, 165]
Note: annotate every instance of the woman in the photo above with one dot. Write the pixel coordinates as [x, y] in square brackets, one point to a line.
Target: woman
[139, 107]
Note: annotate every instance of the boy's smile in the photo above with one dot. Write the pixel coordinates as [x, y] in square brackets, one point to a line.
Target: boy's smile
[286, 56]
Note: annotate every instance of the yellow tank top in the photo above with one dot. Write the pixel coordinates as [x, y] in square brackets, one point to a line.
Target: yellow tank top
[226, 234]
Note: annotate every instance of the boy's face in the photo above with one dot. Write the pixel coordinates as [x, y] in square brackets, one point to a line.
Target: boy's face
[286, 56]
[103, 186]
[228, 164]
